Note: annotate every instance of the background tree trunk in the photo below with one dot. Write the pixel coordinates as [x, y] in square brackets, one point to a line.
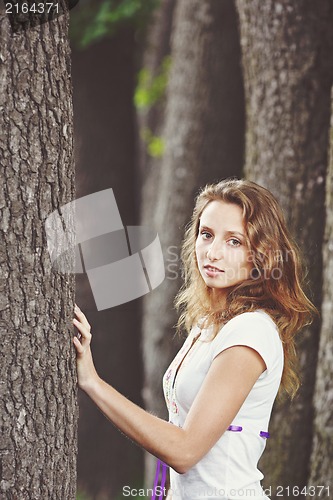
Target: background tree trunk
[155, 48]
[103, 79]
[38, 408]
[151, 118]
[288, 74]
[321, 459]
[203, 135]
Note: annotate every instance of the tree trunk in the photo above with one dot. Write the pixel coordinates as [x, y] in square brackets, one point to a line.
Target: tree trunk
[203, 135]
[103, 79]
[321, 459]
[151, 118]
[38, 408]
[156, 48]
[288, 73]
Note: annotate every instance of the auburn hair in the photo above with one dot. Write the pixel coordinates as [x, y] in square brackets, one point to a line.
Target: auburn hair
[276, 281]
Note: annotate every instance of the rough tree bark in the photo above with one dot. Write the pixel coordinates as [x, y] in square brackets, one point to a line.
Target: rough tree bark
[288, 74]
[38, 408]
[203, 134]
[321, 459]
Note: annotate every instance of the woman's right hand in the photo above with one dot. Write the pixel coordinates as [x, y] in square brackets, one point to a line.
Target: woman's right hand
[86, 372]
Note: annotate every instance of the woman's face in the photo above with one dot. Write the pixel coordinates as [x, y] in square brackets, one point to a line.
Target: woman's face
[223, 256]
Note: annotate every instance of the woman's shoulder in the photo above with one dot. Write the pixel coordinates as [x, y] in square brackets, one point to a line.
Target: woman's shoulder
[257, 316]
[250, 323]
[258, 321]
[255, 329]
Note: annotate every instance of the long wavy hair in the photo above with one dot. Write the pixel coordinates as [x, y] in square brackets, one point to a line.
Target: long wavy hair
[276, 281]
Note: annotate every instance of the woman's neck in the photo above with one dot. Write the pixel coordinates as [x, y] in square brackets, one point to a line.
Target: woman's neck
[219, 298]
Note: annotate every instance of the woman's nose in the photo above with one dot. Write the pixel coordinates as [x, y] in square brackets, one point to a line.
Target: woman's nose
[214, 252]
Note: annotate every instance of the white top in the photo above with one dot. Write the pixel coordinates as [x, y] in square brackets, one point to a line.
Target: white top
[229, 469]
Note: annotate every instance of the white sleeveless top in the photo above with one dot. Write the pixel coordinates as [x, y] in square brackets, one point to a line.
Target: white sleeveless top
[229, 469]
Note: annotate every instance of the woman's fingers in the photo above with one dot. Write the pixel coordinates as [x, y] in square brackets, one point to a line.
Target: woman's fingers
[81, 317]
[79, 347]
[86, 335]
[81, 323]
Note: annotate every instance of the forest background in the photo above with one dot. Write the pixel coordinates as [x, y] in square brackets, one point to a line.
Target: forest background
[154, 99]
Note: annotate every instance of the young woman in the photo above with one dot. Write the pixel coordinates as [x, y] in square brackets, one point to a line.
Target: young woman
[242, 303]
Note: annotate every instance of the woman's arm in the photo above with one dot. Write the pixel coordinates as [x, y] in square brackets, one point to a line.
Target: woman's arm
[227, 384]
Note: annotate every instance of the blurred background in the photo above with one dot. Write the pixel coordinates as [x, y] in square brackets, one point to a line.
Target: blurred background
[168, 96]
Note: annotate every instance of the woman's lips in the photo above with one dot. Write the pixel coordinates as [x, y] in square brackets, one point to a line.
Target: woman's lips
[212, 271]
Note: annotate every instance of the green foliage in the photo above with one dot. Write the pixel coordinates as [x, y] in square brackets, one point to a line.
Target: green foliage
[155, 144]
[151, 89]
[93, 20]
[82, 496]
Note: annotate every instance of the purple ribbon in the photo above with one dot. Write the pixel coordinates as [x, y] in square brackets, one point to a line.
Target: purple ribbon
[238, 428]
[157, 473]
[235, 428]
[163, 480]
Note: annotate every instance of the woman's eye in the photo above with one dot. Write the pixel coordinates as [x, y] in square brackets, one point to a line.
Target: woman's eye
[206, 235]
[234, 242]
